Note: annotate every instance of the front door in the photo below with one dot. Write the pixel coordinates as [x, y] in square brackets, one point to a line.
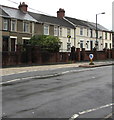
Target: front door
[91, 45]
[12, 44]
[5, 43]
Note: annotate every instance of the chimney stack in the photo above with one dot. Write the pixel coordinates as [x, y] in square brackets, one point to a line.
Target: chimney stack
[61, 13]
[23, 7]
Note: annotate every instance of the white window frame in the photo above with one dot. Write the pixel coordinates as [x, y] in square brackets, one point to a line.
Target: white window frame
[68, 46]
[55, 31]
[81, 44]
[46, 29]
[106, 35]
[68, 31]
[60, 31]
[15, 25]
[87, 32]
[81, 31]
[26, 27]
[5, 24]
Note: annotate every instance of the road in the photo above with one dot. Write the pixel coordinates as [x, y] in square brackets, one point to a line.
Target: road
[60, 93]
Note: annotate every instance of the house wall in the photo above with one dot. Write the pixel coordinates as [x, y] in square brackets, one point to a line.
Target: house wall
[38, 28]
[113, 15]
[108, 40]
[64, 39]
[0, 34]
[19, 26]
[51, 30]
[85, 38]
[101, 39]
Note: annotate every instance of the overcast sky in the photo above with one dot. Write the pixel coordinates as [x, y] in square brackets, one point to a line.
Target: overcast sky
[80, 9]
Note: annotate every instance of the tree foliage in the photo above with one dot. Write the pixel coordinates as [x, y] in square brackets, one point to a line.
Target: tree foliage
[46, 42]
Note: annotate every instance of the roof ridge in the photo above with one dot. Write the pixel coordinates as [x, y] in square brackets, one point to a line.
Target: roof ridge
[9, 7]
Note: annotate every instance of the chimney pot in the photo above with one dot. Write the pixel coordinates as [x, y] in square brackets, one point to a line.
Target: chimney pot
[23, 7]
[61, 13]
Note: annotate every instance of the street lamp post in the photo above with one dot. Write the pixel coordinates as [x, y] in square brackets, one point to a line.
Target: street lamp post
[96, 43]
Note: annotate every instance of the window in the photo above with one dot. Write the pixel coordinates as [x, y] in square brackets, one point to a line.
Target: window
[68, 32]
[81, 44]
[81, 31]
[60, 31]
[110, 45]
[55, 31]
[68, 46]
[87, 44]
[5, 24]
[26, 27]
[110, 36]
[91, 45]
[13, 25]
[105, 35]
[91, 33]
[26, 41]
[87, 32]
[46, 30]
[106, 45]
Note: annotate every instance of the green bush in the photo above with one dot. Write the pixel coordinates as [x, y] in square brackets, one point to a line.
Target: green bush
[46, 42]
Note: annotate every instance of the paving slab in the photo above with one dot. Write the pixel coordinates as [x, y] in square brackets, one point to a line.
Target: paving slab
[15, 70]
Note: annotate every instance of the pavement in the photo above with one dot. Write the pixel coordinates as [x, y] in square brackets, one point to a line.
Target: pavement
[16, 70]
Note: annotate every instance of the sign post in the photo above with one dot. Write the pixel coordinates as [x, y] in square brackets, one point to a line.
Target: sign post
[91, 59]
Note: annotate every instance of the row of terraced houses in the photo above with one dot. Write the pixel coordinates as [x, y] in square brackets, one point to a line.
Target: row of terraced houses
[19, 25]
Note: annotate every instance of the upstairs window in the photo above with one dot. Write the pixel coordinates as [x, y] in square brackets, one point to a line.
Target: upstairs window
[13, 25]
[87, 32]
[91, 33]
[110, 36]
[60, 31]
[68, 32]
[26, 27]
[81, 31]
[55, 31]
[46, 30]
[5, 24]
[105, 35]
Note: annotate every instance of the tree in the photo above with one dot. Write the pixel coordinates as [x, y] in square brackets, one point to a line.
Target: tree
[46, 42]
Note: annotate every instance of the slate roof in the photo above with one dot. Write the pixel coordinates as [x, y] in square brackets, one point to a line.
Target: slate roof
[3, 13]
[36, 17]
[17, 14]
[100, 27]
[76, 21]
[83, 23]
[51, 19]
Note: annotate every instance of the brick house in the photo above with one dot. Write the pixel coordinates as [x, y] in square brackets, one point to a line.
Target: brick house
[19, 25]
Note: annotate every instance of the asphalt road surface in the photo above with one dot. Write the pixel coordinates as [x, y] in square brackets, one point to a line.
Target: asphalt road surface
[60, 93]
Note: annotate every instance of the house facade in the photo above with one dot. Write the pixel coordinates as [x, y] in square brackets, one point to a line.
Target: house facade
[19, 25]
[113, 24]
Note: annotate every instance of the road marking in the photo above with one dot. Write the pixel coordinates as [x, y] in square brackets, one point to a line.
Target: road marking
[9, 81]
[51, 75]
[74, 117]
[26, 78]
[45, 69]
[108, 116]
[90, 110]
